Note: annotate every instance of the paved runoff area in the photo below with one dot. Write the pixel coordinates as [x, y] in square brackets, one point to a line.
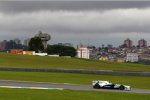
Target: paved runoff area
[59, 86]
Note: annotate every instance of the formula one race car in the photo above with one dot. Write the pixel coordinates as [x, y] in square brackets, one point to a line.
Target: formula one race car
[98, 84]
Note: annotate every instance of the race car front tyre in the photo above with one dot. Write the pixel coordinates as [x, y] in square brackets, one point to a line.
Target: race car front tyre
[121, 87]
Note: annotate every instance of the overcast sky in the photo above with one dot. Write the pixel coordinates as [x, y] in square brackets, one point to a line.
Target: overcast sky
[90, 22]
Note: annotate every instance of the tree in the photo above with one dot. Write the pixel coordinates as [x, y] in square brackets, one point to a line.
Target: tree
[61, 50]
[36, 45]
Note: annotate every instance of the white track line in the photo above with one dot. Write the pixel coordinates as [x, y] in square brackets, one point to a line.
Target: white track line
[40, 88]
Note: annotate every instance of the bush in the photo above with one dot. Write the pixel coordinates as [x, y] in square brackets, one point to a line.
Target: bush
[61, 50]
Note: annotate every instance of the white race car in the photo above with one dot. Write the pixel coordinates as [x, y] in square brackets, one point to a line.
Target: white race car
[98, 84]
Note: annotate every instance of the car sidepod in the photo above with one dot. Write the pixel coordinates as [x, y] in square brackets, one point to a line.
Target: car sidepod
[110, 86]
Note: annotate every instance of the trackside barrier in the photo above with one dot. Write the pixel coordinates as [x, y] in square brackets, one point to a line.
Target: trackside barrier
[104, 72]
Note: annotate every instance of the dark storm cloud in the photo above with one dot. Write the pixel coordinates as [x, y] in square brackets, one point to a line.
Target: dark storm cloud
[75, 21]
[31, 6]
[94, 22]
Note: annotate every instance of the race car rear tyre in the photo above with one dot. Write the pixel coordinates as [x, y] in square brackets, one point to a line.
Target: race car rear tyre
[96, 86]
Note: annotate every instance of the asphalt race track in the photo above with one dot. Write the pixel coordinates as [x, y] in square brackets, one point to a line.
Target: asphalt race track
[63, 86]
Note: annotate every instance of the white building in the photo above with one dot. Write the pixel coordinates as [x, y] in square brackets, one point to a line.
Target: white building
[132, 57]
[26, 42]
[83, 52]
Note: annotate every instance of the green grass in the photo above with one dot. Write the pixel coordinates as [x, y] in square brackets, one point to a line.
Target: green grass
[26, 94]
[14, 60]
[134, 81]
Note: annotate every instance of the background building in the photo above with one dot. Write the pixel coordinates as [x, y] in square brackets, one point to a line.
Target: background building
[132, 57]
[3, 45]
[44, 37]
[11, 44]
[26, 42]
[128, 43]
[142, 43]
[16, 51]
[83, 51]
[17, 41]
[104, 58]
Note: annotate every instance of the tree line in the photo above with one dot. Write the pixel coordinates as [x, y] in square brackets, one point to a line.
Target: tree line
[36, 45]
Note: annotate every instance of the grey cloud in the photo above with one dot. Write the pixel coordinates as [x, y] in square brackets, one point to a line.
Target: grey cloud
[31, 6]
[75, 21]
[94, 22]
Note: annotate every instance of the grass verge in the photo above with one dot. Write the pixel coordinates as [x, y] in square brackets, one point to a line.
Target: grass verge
[134, 81]
[14, 60]
[26, 94]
